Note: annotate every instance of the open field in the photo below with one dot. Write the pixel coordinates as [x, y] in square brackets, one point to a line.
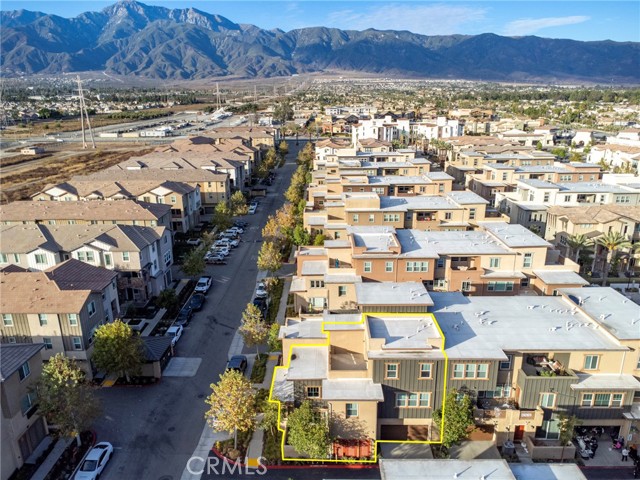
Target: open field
[27, 178]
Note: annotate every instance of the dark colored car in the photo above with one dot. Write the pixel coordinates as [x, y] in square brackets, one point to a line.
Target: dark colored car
[185, 315]
[197, 301]
[237, 362]
[261, 303]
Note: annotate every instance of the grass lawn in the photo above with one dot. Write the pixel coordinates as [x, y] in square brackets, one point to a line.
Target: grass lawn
[259, 368]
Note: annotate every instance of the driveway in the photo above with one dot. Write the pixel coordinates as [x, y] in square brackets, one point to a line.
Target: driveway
[155, 429]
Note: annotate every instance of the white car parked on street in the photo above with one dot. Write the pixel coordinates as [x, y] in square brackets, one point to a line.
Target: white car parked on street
[175, 333]
[95, 461]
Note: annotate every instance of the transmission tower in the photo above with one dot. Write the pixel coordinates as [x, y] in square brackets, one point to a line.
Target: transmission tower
[84, 114]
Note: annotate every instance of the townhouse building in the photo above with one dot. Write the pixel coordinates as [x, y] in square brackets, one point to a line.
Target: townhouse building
[216, 164]
[592, 222]
[501, 177]
[60, 307]
[498, 259]
[389, 129]
[529, 139]
[528, 203]
[622, 156]
[451, 211]
[380, 374]
[183, 198]
[142, 256]
[260, 137]
[123, 212]
[22, 428]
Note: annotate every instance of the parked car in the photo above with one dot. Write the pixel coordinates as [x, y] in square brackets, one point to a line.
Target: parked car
[234, 243]
[194, 241]
[223, 242]
[175, 332]
[214, 259]
[261, 303]
[237, 362]
[252, 209]
[197, 301]
[203, 285]
[221, 251]
[185, 314]
[261, 290]
[95, 461]
[239, 230]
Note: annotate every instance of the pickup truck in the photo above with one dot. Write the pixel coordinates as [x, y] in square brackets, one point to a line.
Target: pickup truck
[203, 285]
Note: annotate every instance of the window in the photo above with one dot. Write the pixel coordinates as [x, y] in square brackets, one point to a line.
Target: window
[107, 260]
[391, 217]
[173, 199]
[3, 258]
[12, 339]
[591, 362]
[494, 262]
[500, 286]
[313, 392]
[342, 290]
[125, 257]
[27, 402]
[388, 266]
[548, 400]
[528, 260]
[91, 308]
[425, 370]
[73, 319]
[471, 370]
[413, 399]
[351, 410]
[616, 399]
[506, 364]
[391, 371]
[48, 344]
[472, 214]
[356, 218]
[587, 400]
[7, 320]
[466, 286]
[546, 197]
[16, 257]
[440, 262]
[367, 267]
[601, 400]
[417, 266]
[42, 317]
[77, 343]
[372, 218]
[317, 283]
[90, 257]
[24, 371]
[167, 258]
[567, 198]
[40, 258]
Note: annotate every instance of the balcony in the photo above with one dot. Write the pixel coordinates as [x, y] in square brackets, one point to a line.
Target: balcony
[345, 364]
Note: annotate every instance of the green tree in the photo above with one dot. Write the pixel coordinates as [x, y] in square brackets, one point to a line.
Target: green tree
[308, 432]
[273, 339]
[117, 349]
[319, 239]
[577, 243]
[269, 258]
[273, 232]
[283, 147]
[269, 421]
[238, 203]
[612, 242]
[559, 152]
[301, 236]
[458, 417]
[253, 328]
[283, 111]
[566, 426]
[194, 264]
[167, 298]
[232, 404]
[64, 397]
[222, 217]
[538, 145]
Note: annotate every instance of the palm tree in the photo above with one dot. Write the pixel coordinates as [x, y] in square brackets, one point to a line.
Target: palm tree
[577, 243]
[612, 241]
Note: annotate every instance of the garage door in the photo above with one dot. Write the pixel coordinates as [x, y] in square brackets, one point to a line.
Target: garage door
[405, 432]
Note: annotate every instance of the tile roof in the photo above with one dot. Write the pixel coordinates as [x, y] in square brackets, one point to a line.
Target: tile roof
[12, 356]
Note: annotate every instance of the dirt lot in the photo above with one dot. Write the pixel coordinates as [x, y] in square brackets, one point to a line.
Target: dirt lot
[29, 177]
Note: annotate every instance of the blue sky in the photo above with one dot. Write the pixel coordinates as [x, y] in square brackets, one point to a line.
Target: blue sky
[579, 20]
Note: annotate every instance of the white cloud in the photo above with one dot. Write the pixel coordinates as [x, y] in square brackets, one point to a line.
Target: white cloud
[527, 26]
[437, 19]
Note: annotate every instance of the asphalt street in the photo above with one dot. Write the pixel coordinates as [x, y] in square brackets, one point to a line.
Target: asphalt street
[155, 429]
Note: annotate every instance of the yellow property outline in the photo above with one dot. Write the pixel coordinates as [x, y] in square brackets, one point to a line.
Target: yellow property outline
[327, 343]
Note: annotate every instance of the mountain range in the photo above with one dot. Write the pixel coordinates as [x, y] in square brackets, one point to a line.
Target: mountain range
[130, 38]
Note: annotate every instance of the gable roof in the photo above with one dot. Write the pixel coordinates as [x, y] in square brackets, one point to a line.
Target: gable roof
[15, 355]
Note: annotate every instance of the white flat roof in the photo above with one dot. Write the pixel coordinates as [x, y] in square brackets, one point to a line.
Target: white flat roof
[560, 277]
[466, 197]
[308, 363]
[615, 312]
[546, 471]
[606, 381]
[314, 267]
[403, 333]
[485, 327]
[352, 389]
[405, 469]
[514, 235]
[392, 293]
[310, 328]
[419, 243]
[282, 388]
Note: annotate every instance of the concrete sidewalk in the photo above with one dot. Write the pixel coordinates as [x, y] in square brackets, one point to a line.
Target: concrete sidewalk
[57, 451]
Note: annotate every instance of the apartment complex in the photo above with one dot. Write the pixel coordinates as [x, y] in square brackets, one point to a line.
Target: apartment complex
[60, 307]
[125, 212]
[22, 428]
[380, 374]
[142, 256]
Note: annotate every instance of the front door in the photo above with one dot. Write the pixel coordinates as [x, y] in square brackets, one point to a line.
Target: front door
[518, 433]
